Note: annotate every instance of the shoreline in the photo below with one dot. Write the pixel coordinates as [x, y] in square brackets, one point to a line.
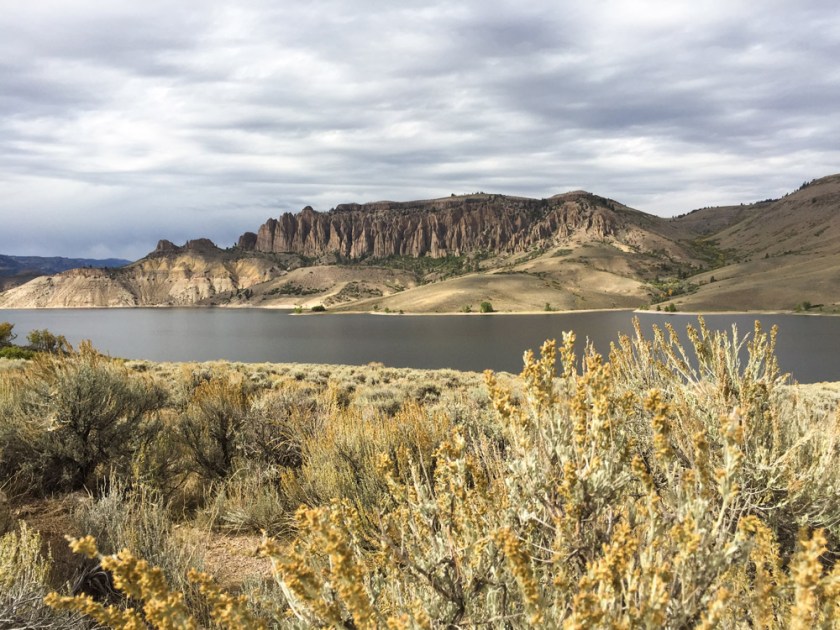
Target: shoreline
[290, 310]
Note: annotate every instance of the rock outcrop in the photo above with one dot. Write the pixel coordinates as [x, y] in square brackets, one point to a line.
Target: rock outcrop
[171, 275]
[437, 228]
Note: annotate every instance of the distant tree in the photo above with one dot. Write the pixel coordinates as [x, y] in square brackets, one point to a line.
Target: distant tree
[486, 307]
[6, 334]
[45, 341]
[319, 308]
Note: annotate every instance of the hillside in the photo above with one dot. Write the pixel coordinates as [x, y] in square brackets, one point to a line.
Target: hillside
[198, 273]
[168, 276]
[784, 254]
[575, 250]
[570, 251]
[17, 270]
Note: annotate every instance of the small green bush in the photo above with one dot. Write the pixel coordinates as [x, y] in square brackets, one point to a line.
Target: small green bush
[138, 519]
[251, 500]
[15, 352]
[24, 582]
[319, 308]
[486, 307]
[278, 423]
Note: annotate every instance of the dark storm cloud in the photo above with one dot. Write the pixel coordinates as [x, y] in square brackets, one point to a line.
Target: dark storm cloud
[122, 123]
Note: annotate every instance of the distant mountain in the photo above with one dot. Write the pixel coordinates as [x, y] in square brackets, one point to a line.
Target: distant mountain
[16, 270]
[571, 251]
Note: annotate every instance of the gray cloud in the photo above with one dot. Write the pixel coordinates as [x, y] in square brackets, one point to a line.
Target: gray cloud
[128, 122]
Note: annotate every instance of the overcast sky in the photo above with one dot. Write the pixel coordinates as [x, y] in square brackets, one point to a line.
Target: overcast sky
[122, 123]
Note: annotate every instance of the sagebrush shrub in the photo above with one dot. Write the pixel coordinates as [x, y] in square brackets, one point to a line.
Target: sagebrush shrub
[24, 582]
[212, 425]
[81, 417]
[612, 506]
[664, 487]
[137, 519]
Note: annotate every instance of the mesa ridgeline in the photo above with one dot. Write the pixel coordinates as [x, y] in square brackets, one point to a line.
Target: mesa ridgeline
[571, 251]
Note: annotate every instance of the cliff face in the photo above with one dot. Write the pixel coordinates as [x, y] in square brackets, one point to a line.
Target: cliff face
[437, 228]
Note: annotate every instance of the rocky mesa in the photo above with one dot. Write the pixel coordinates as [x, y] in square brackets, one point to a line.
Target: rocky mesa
[570, 251]
[451, 226]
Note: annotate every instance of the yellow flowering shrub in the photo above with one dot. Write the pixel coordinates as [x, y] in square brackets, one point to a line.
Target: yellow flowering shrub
[651, 489]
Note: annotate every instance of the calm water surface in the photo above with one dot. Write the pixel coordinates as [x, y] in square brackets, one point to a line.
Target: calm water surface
[808, 346]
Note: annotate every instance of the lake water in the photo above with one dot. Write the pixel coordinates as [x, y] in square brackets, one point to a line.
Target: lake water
[808, 346]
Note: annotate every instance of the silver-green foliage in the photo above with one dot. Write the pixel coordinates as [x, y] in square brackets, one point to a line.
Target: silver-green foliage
[24, 582]
[82, 416]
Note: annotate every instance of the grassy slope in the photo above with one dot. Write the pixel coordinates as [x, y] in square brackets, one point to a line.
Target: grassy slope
[789, 251]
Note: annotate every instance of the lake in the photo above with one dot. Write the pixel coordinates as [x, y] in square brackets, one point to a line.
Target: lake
[808, 346]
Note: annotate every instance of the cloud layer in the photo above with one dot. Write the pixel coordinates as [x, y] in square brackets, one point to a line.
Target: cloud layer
[125, 122]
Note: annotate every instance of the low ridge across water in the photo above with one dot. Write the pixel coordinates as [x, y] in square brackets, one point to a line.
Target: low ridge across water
[808, 346]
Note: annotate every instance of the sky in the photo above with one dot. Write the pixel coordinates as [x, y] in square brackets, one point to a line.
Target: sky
[122, 123]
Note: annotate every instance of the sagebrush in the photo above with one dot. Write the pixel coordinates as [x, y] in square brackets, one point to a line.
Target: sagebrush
[660, 486]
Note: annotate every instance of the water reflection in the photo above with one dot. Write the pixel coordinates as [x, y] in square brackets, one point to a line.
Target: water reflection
[808, 346]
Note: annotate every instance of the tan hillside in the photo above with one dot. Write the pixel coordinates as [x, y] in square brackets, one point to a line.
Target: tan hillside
[768, 284]
[806, 222]
[707, 222]
[170, 276]
[787, 255]
[587, 277]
